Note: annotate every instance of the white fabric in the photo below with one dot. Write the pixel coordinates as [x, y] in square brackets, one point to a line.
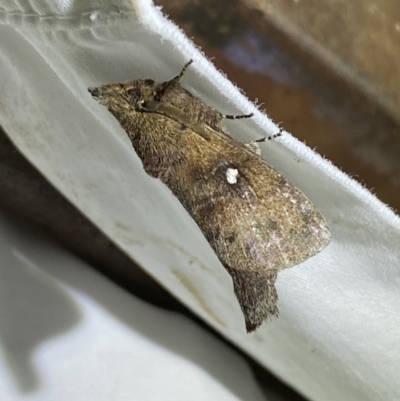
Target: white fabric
[68, 334]
[339, 328]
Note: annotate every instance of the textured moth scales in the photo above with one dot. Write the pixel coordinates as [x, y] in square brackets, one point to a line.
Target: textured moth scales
[256, 221]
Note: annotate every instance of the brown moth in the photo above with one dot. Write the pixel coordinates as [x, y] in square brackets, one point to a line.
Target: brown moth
[254, 219]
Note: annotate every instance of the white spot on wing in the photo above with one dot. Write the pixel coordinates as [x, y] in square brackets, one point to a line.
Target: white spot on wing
[94, 15]
[231, 175]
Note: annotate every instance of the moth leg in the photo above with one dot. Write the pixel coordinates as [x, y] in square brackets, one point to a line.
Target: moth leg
[254, 145]
[238, 117]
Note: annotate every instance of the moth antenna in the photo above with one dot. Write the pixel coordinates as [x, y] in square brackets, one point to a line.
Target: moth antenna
[176, 79]
[185, 67]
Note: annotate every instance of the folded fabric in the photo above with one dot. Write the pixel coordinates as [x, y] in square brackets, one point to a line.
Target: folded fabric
[67, 333]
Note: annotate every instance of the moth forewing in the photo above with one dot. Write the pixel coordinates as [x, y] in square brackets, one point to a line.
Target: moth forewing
[255, 220]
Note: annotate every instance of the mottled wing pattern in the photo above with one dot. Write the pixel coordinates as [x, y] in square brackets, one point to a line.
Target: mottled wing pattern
[254, 219]
[257, 223]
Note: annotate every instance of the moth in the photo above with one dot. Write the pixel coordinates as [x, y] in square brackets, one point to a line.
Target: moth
[255, 220]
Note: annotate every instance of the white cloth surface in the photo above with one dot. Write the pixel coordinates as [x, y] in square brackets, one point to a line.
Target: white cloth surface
[69, 334]
[339, 328]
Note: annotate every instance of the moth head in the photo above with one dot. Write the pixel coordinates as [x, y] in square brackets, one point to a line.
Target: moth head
[129, 95]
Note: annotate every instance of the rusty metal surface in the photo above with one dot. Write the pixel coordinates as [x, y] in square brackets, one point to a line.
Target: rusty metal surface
[358, 39]
[326, 69]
